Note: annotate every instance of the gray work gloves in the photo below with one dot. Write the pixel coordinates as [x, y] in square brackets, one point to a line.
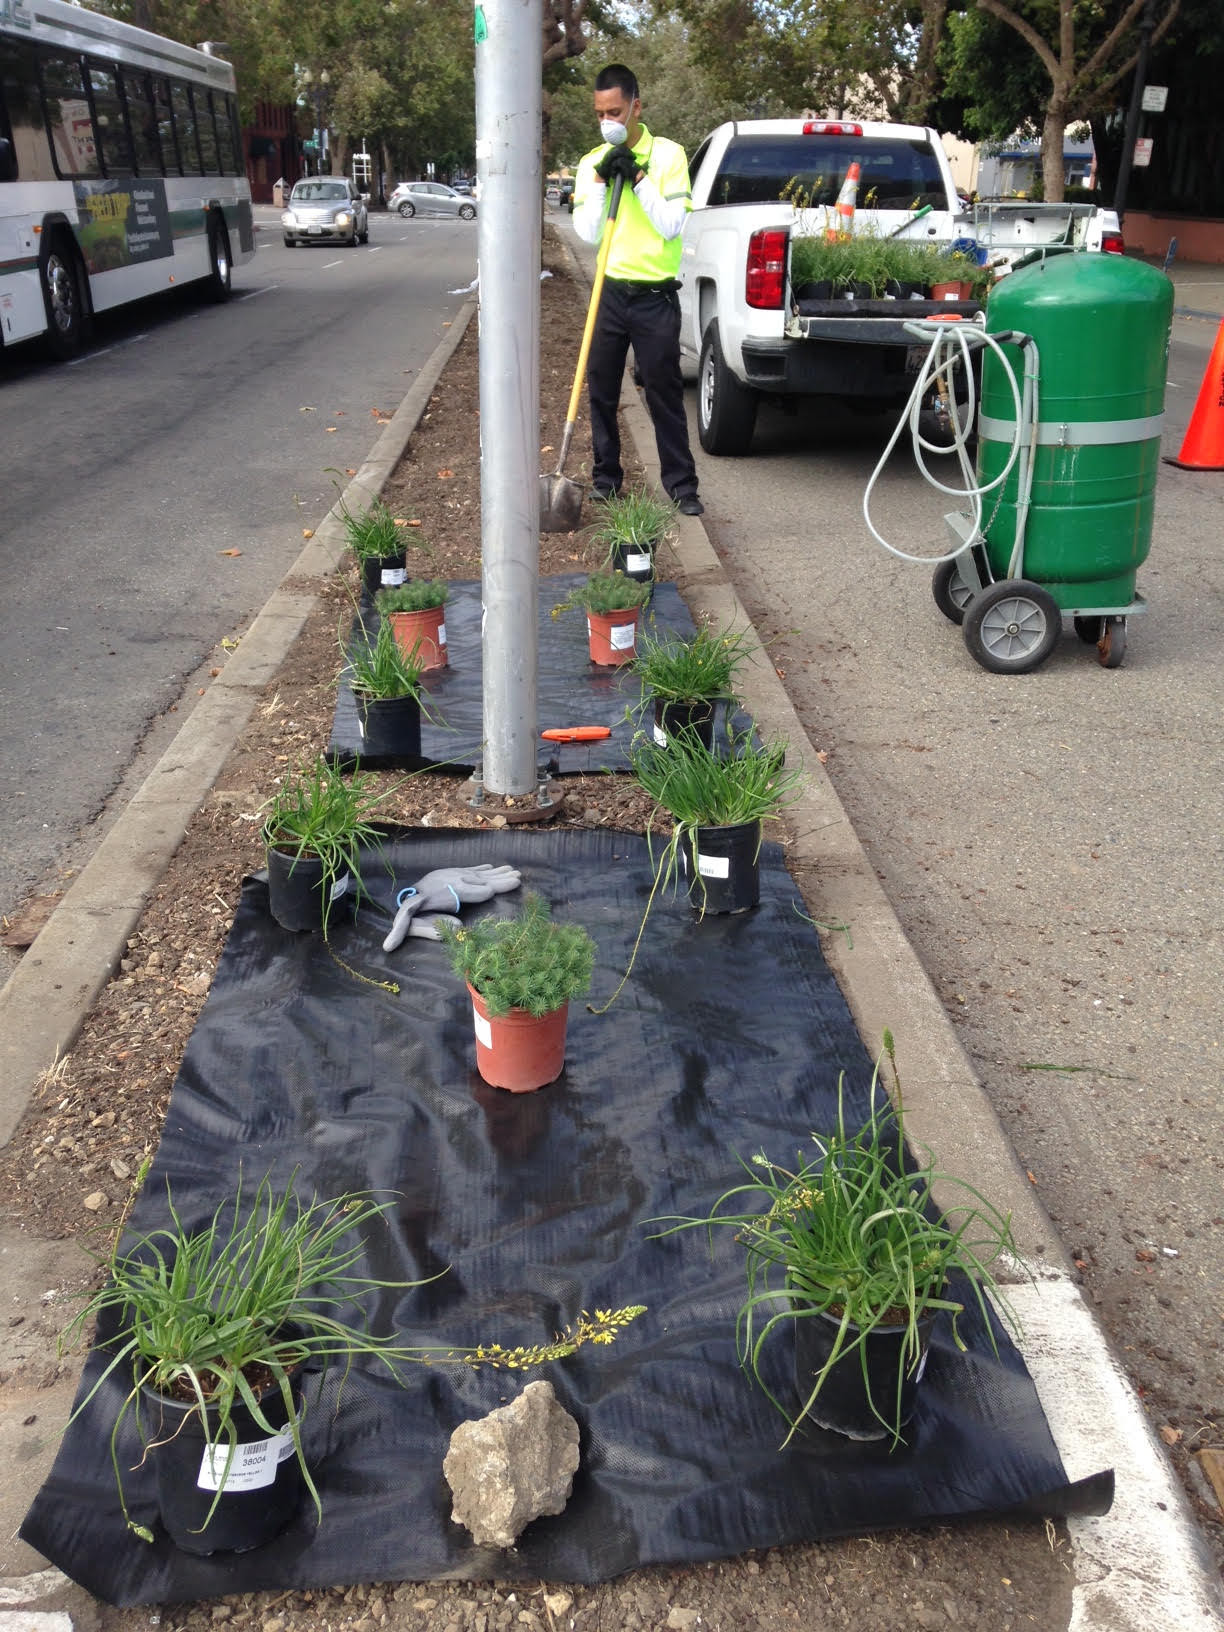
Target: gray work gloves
[437, 897]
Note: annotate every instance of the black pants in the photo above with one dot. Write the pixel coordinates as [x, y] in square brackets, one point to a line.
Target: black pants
[649, 320]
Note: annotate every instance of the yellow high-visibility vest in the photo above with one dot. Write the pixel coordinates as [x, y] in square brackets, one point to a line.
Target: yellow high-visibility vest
[638, 253]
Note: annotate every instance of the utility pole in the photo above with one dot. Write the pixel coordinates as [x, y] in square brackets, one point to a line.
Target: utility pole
[508, 97]
[1146, 25]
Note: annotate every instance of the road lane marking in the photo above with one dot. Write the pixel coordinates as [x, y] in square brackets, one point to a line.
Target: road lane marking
[326, 264]
[266, 290]
[118, 346]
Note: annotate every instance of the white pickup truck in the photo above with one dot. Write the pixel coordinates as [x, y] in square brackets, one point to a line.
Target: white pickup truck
[743, 334]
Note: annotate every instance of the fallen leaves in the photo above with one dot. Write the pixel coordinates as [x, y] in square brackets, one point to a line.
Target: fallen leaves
[332, 429]
[444, 475]
[307, 532]
[231, 552]
[1171, 1436]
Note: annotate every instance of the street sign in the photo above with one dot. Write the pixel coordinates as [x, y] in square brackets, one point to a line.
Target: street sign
[1155, 98]
[1143, 152]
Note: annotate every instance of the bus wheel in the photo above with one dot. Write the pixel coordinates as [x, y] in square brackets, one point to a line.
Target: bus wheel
[220, 267]
[63, 290]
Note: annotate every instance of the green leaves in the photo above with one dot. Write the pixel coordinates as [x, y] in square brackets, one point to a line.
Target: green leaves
[527, 962]
[682, 671]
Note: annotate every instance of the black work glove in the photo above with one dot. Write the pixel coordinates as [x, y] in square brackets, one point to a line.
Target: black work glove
[618, 161]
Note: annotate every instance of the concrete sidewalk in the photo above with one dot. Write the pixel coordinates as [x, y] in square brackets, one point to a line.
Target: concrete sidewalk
[1141, 1567]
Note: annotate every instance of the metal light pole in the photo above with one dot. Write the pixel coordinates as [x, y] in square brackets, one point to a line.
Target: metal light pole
[508, 95]
[1146, 25]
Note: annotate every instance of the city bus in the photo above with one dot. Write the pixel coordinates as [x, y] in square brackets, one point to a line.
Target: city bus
[121, 170]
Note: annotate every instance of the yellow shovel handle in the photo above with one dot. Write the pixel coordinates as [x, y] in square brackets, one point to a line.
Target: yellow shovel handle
[601, 262]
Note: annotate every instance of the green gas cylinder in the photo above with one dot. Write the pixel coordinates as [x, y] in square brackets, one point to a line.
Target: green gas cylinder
[1101, 324]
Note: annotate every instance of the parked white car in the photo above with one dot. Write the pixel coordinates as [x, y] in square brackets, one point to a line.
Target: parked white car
[431, 198]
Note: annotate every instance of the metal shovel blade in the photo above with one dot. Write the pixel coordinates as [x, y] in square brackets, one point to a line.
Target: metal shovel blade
[560, 503]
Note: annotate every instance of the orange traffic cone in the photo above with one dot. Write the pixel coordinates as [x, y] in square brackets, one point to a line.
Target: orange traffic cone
[846, 201]
[1203, 447]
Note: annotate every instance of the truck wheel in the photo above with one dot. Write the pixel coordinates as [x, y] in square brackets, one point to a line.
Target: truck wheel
[63, 288]
[220, 266]
[726, 410]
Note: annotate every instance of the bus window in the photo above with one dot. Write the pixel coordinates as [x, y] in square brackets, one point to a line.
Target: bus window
[207, 130]
[185, 128]
[21, 118]
[165, 127]
[142, 117]
[223, 110]
[109, 121]
[68, 119]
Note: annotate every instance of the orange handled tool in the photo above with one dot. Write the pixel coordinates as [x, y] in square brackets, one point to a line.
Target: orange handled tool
[577, 733]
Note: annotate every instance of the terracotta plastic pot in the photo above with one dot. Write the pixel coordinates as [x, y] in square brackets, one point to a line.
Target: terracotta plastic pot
[951, 291]
[728, 877]
[670, 718]
[422, 633]
[844, 1403]
[390, 727]
[261, 1491]
[613, 636]
[516, 1050]
[383, 572]
[299, 897]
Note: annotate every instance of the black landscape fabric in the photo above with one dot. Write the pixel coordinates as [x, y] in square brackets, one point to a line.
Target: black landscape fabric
[571, 690]
[729, 1038]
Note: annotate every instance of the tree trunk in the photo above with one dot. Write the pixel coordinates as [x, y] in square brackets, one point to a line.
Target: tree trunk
[1052, 136]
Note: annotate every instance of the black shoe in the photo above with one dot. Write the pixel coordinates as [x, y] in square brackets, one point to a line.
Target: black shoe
[604, 493]
[690, 505]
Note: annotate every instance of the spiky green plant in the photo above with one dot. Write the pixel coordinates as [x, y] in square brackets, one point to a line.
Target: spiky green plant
[253, 1294]
[853, 1231]
[526, 962]
[416, 595]
[632, 520]
[318, 813]
[372, 534]
[608, 592]
[379, 669]
[677, 670]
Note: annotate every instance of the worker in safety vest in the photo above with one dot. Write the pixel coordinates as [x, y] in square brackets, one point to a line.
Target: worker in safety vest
[639, 305]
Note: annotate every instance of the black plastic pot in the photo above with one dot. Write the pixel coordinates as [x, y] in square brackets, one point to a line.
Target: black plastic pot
[728, 877]
[672, 718]
[299, 895]
[383, 572]
[815, 291]
[636, 561]
[390, 727]
[261, 1492]
[844, 1403]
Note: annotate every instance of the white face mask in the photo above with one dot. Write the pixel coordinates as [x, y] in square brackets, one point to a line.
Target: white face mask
[613, 131]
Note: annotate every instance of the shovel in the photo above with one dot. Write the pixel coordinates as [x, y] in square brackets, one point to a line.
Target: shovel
[561, 498]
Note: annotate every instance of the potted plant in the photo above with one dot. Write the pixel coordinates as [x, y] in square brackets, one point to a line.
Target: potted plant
[521, 973]
[850, 1252]
[631, 527]
[314, 828]
[416, 610]
[215, 1329]
[684, 680]
[377, 545]
[613, 605]
[717, 806]
[387, 685]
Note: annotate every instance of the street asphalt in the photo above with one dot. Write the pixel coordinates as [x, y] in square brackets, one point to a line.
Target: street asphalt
[1144, 1566]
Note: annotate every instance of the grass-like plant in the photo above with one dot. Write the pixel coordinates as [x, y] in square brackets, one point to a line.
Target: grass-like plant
[853, 1232]
[677, 670]
[698, 788]
[214, 1318]
[379, 669]
[372, 534]
[527, 962]
[632, 520]
[416, 595]
[608, 592]
[318, 813]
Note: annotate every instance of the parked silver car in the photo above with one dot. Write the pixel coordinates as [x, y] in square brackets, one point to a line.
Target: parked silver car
[431, 198]
[326, 209]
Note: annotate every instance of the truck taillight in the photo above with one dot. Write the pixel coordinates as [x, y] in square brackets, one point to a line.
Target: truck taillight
[831, 127]
[1111, 243]
[766, 271]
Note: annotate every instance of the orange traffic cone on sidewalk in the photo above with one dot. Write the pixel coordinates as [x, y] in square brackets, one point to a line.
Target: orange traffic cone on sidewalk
[1203, 447]
[846, 201]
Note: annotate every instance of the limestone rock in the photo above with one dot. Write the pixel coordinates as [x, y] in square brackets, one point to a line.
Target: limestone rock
[509, 1467]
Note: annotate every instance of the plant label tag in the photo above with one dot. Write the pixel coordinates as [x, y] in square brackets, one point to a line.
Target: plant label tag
[660, 736]
[393, 577]
[622, 637]
[249, 1467]
[340, 887]
[441, 634]
[714, 866]
[484, 1031]
[637, 562]
[361, 727]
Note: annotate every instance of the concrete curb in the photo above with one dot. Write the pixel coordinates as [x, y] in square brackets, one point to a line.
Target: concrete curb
[45, 1001]
[1145, 1563]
